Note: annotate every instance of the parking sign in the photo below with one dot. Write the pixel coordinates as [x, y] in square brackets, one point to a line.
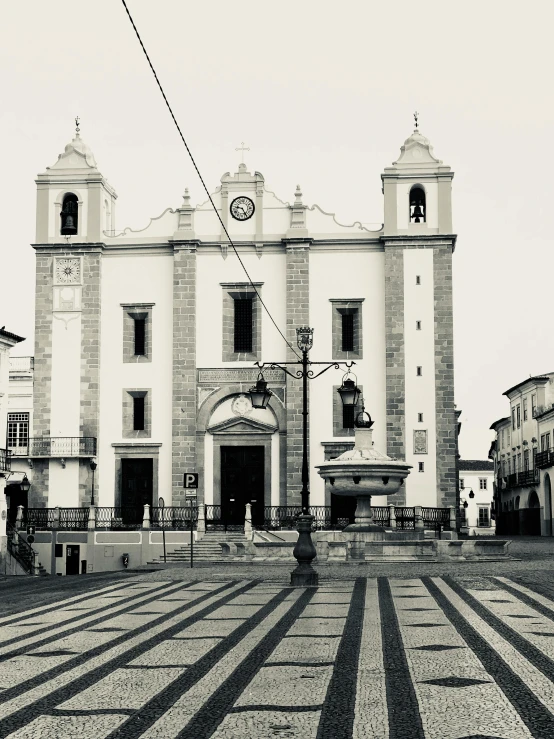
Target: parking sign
[190, 480]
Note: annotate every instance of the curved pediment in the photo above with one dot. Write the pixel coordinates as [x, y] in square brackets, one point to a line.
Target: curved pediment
[242, 425]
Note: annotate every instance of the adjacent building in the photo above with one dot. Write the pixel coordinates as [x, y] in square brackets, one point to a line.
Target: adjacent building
[476, 490]
[146, 340]
[523, 456]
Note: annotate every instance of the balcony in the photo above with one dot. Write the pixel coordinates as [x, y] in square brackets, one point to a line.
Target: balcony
[545, 459]
[522, 479]
[5, 460]
[57, 447]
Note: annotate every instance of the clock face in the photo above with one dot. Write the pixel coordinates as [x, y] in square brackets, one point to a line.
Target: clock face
[242, 208]
[68, 271]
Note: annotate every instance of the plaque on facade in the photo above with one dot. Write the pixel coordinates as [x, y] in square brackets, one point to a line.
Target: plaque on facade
[239, 374]
[420, 442]
[241, 406]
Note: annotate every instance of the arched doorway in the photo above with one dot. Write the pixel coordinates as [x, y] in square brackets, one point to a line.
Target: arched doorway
[532, 519]
[547, 505]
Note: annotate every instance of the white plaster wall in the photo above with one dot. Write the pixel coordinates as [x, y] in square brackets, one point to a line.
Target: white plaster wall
[419, 350]
[56, 193]
[319, 221]
[4, 383]
[275, 469]
[344, 275]
[65, 388]
[161, 226]
[208, 469]
[431, 200]
[135, 279]
[212, 269]
[63, 486]
[277, 214]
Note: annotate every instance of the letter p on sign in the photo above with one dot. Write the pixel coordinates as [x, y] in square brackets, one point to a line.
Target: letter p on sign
[191, 480]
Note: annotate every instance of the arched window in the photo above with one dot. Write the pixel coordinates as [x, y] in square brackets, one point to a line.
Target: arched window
[69, 215]
[533, 500]
[517, 503]
[417, 205]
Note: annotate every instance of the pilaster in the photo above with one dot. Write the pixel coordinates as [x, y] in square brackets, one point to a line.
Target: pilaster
[395, 364]
[184, 367]
[444, 377]
[297, 301]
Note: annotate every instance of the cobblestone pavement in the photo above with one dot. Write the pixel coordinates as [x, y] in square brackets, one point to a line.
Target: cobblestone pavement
[464, 653]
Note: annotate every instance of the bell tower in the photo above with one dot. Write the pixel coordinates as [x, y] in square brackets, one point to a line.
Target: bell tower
[73, 198]
[418, 244]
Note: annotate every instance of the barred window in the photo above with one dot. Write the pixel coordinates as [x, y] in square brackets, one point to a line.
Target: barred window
[18, 430]
[243, 325]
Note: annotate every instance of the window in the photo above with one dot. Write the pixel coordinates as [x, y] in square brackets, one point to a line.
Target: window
[533, 405]
[140, 336]
[418, 280]
[138, 414]
[417, 205]
[347, 343]
[545, 442]
[518, 416]
[482, 483]
[526, 460]
[462, 483]
[137, 332]
[518, 463]
[483, 516]
[18, 430]
[348, 416]
[419, 371]
[243, 325]
[346, 328]
[418, 325]
[525, 409]
[503, 439]
[242, 338]
[69, 215]
[421, 466]
[420, 417]
[513, 418]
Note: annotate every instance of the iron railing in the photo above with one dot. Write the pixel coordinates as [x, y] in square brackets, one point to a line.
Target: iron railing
[219, 519]
[528, 477]
[69, 519]
[545, 458]
[405, 517]
[40, 518]
[5, 460]
[172, 517]
[74, 519]
[381, 515]
[281, 517]
[20, 550]
[511, 481]
[57, 446]
[119, 518]
[436, 518]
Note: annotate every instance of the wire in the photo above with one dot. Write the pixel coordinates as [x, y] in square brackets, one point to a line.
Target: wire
[202, 180]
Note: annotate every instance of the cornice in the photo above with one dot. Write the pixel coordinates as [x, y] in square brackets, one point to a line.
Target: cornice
[94, 246]
[419, 241]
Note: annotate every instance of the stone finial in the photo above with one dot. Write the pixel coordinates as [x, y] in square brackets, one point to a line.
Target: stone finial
[186, 198]
[298, 196]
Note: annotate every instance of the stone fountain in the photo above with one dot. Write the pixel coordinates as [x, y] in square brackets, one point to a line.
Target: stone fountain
[363, 472]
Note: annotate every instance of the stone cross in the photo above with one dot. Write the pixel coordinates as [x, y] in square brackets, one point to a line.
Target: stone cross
[242, 148]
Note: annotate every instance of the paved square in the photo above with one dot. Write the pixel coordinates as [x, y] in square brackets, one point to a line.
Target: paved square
[163, 655]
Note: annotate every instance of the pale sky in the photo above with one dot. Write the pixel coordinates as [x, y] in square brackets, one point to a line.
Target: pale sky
[323, 94]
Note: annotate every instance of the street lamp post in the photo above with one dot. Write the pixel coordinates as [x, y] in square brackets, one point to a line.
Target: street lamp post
[304, 551]
[93, 467]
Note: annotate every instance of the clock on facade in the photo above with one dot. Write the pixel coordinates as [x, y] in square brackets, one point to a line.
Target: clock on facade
[242, 208]
[68, 271]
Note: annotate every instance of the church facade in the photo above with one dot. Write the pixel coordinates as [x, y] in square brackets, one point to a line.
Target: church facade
[146, 341]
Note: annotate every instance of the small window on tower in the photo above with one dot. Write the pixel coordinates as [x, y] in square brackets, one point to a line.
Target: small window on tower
[420, 417]
[417, 205]
[419, 371]
[138, 414]
[418, 325]
[421, 466]
[140, 336]
[418, 280]
[69, 215]
[243, 325]
[347, 332]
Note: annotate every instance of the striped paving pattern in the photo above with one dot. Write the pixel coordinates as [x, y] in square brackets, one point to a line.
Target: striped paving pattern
[386, 658]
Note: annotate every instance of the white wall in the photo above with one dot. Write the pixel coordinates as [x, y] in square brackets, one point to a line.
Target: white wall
[419, 350]
[135, 279]
[482, 497]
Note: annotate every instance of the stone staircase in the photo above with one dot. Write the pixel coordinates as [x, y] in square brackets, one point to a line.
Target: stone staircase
[208, 549]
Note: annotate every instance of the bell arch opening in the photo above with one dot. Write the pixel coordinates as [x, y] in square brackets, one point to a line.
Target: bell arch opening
[418, 205]
[69, 215]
